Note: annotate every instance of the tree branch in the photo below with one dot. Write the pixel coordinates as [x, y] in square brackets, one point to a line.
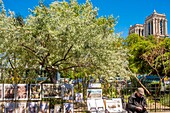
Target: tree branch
[64, 58]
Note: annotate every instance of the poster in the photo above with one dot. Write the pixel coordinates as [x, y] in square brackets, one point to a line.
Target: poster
[9, 91]
[94, 85]
[67, 92]
[68, 108]
[22, 92]
[51, 91]
[32, 107]
[21, 107]
[44, 107]
[91, 105]
[100, 105]
[94, 93]
[9, 107]
[35, 91]
[79, 97]
[114, 105]
[1, 91]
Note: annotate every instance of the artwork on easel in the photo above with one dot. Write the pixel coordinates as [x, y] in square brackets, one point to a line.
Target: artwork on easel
[21, 107]
[9, 91]
[22, 92]
[35, 91]
[9, 107]
[51, 91]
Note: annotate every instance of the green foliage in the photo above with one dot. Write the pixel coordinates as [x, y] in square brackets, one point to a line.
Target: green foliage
[148, 55]
[165, 100]
[61, 37]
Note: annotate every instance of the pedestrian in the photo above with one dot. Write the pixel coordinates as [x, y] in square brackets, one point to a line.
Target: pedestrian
[137, 102]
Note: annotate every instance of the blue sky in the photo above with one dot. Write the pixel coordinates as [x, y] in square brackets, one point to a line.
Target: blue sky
[129, 12]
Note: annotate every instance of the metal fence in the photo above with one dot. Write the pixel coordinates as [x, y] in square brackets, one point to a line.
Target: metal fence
[156, 102]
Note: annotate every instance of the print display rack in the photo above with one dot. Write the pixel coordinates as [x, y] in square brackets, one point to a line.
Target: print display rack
[30, 98]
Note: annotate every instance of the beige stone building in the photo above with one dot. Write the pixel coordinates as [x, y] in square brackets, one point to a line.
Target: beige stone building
[155, 24]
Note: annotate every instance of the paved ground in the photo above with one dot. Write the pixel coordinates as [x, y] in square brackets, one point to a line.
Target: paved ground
[161, 112]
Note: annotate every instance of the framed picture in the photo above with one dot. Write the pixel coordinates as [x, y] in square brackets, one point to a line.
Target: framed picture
[68, 108]
[1, 91]
[22, 92]
[52, 111]
[51, 91]
[94, 93]
[21, 107]
[1, 107]
[67, 92]
[91, 105]
[79, 97]
[35, 91]
[9, 107]
[44, 107]
[57, 108]
[114, 105]
[100, 105]
[32, 107]
[9, 91]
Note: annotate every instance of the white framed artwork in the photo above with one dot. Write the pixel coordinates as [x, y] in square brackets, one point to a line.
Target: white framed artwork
[68, 108]
[9, 91]
[9, 107]
[22, 91]
[51, 91]
[114, 105]
[94, 93]
[32, 107]
[21, 107]
[44, 107]
[35, 91]
[79, 97]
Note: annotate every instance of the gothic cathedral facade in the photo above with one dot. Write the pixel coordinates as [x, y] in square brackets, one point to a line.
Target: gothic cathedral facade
[155, 24]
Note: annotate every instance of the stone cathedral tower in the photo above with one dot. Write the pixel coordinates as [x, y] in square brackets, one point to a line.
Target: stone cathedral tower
[155, 24]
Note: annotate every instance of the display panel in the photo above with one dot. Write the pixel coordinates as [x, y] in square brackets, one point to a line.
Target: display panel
[51, 91]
